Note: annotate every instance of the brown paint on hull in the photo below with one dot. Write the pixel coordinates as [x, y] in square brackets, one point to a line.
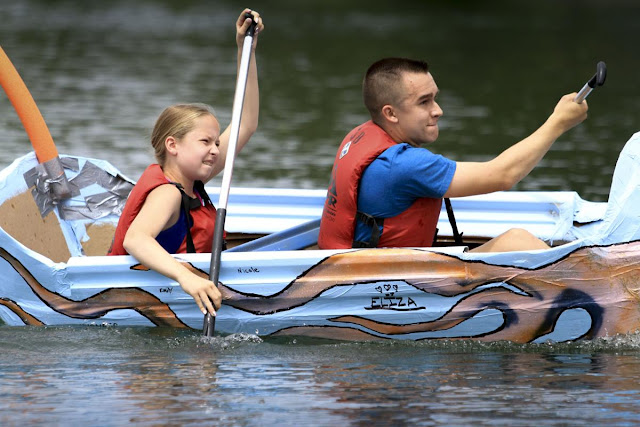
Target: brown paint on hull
[98, 305]
[602, 280]
[23, 315]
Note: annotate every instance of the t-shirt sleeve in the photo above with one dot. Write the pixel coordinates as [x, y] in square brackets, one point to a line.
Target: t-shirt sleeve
[420, 173]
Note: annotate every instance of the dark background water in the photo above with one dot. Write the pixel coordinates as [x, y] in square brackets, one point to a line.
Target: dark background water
[101, 72]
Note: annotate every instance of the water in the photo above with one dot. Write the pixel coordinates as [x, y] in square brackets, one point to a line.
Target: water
[117, 376]
[101, 72]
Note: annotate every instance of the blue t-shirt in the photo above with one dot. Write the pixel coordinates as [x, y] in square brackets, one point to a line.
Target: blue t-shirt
[399, 176]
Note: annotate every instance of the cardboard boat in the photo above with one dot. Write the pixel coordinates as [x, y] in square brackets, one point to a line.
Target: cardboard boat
[275, 282]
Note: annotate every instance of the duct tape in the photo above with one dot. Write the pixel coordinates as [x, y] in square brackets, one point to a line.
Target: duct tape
[95, 193]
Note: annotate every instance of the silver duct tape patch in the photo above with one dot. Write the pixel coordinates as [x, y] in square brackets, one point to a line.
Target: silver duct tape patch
[39, 173]
[43, 190]
[98, 205]
[58, 184]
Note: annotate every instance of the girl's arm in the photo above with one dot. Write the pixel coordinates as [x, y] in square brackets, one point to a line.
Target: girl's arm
[251, 104]
[160, 211]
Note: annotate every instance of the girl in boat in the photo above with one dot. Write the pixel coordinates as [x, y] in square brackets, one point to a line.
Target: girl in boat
[168, 210]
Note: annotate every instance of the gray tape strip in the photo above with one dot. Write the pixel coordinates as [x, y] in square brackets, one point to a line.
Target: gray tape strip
[58, 184]
[96, 206]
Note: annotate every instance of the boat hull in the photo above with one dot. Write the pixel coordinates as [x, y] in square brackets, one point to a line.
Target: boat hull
[374, 294]
[582, 289]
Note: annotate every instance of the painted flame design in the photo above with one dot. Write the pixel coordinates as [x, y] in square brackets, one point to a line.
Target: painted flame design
[602, 280]
[95, 306]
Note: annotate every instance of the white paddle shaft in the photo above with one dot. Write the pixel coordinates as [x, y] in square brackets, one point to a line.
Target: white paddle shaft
[236, 116]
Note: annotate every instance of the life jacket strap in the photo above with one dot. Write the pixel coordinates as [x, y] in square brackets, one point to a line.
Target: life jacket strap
[375, 224]
[457, 236]
[186, 207]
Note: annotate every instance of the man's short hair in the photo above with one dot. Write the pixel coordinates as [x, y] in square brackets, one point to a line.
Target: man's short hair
[382, 82]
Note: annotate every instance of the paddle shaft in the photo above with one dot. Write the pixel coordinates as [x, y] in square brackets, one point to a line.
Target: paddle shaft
[598, 79]
[584, 92]
[209, 325]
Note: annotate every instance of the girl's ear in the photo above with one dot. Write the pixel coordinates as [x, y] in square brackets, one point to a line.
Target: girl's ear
[170, 144]
[389, 114]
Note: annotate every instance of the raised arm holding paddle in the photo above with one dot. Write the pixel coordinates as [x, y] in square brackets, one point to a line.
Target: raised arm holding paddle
[387, 188]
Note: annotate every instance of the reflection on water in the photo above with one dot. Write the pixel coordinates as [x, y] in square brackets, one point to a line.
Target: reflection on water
[102, 72]
[158, 376]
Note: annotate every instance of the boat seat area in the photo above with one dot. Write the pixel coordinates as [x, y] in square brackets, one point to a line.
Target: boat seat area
[82, 224]
[299, 237]
[50, 236]
[21, 219]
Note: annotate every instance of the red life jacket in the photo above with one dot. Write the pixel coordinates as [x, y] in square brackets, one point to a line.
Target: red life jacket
[203, 217]
[415, 227]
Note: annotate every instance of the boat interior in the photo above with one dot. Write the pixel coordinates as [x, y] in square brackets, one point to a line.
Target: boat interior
[286, 219]
[49, 235]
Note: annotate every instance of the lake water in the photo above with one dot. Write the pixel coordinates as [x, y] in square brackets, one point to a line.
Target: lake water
[121, 376]
[101, 72]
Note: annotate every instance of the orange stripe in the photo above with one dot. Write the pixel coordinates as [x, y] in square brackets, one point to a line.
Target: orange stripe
[27, 110]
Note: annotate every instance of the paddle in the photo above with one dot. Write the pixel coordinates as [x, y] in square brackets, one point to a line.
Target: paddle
[597, 80]
[221, 213]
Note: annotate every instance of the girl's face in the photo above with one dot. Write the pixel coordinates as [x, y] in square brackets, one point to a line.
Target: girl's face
[197, 152]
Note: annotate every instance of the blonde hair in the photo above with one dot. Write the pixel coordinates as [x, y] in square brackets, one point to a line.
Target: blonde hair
[176, 121]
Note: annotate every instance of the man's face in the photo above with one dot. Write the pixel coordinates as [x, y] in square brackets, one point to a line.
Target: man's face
[418, 112]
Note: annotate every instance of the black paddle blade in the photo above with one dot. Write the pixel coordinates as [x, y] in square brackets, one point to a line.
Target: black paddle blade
[600, 76]
[601, 73]
[597, 80]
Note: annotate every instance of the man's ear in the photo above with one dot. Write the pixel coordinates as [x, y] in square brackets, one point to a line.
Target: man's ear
[389, 114]
[170, 145]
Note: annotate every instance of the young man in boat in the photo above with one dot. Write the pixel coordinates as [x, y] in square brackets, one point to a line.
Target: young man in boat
[386, 190]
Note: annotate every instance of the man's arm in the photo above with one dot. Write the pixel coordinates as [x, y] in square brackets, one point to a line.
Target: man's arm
[513, 164]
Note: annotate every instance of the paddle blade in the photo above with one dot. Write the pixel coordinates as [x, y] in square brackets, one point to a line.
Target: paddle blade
[597, 80]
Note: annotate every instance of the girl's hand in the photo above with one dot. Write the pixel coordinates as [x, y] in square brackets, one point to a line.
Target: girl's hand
[203, 291]
[242, 25]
